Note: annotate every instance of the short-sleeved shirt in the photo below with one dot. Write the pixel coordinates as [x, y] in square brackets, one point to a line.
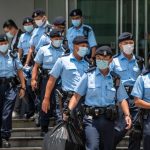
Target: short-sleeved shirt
[99, 91]
[48, 55]
[141, 87]
[74, 32]
[37, 34]
[127, 69]
[70, 70]
[24, 42]
[9, 66]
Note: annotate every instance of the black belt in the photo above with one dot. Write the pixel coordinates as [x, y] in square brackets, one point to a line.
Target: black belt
[4, 80]
[45, 72]
[94, 111]
[67, 93]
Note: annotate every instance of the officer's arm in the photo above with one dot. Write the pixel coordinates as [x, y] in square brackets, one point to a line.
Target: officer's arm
[141, 103]
[29, 56]
[20, 52]
[74, 101]
[125, 108]
[35, 71]
[93, 52]
[21, 77]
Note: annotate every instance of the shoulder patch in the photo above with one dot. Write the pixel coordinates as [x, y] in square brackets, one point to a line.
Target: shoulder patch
[139, 58]
[13, 54]
[91, 69]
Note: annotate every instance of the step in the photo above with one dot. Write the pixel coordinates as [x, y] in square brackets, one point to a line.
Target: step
[26, 141]
[28, 123]
[125, 148]
[27, 132]
[22, 148]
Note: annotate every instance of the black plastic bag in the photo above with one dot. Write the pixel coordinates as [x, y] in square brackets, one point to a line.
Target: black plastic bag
[64, 136]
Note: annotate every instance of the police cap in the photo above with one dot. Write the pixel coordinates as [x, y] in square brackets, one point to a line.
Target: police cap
[104, 50]
[59, 21]
[3, 38]
[125, 36]
[27, 20]
[80, 39]
[38, 12]
[55, 33]
[76, 12]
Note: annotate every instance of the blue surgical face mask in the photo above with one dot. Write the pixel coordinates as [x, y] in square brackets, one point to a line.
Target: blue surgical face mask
[82, 51]
[57, 43]
[28, 28]
[102, 64]
[4, 48]
[76, 22]
[9, 35]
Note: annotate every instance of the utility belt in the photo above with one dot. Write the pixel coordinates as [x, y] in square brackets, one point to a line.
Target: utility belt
[45, 73]
[110, 112]
[67, 94]
[8, 81]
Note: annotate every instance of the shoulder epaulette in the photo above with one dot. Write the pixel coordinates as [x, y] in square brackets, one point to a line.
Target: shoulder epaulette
[91, 69]
[116, 55]
[146, 72]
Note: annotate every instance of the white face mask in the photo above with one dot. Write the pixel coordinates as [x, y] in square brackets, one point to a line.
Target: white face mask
[4, 48]
[9, 35]
[39, 23]
[82, 51]
[128, 48]
[57, 43]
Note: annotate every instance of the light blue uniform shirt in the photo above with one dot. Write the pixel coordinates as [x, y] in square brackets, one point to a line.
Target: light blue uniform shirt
[24, 42]
[70, 70]
[74, 32]
[44, 40]
[127, 69]
[37, 34]
[141, 87]
[99, 90]
[48, 55]
[8, 67]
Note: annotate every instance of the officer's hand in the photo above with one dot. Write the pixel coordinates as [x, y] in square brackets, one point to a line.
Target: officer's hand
[34, 84]
[65, 117]
[21, 93]
[128, 122]
[26, 65]
[45, 105]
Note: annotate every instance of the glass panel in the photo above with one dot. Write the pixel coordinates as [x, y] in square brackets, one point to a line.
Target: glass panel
[101, 15]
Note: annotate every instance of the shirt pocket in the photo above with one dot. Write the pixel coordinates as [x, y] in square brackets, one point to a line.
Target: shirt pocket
[48, 58]
[25, 44]
[11, 64]
[110, 92]
[121, 70]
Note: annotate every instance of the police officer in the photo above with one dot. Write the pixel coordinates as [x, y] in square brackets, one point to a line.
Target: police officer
[23, 45]
[141, 93]
[129, 67]
[10, 66]
[80, 29]
[40, 20]
[13, 33]
[46, 58]
[58, 23]
[70, 68]
[23, 48]
[100, 105]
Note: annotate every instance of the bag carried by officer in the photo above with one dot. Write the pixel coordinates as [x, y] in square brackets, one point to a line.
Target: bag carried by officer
[64, 136]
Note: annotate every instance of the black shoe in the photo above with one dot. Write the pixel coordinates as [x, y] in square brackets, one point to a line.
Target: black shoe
[5, 143]
[43, 134]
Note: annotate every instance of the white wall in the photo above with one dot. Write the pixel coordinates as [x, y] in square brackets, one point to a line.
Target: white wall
[16, 10]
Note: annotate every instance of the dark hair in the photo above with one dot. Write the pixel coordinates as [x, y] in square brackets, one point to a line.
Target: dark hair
[9, 23]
